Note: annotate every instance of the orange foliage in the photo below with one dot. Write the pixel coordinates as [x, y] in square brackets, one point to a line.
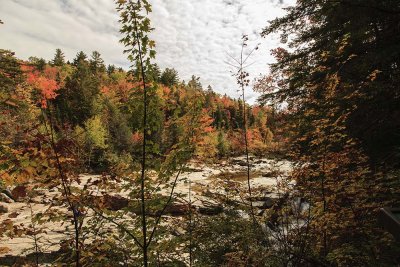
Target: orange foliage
[166, 90]
[206, 121]
[105, 90]
[27, 68]
[137, 137]
[226, 101]
[46, 86]
[51, 72]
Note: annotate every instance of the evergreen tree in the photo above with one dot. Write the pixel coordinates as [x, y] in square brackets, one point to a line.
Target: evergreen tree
[96, 62]
[80, 57]
[210, 99]
[218, 118]
[111, 69]
[154, 73]
[59, 58]
[40, 63]
[10, 72]
[169, 77]
[195, 83]
[76, 99]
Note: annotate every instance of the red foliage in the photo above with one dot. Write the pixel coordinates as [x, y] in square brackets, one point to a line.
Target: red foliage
[51, 72]
[206, 121]
[46, 86]
[124, 88]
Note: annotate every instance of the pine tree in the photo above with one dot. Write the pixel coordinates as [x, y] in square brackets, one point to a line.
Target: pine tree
[169, 77]
[59, 58]
[195, 83]
[80, 57]
[40, 63]
[154, 73]
[97, 63]
[75, 103]
[110, 69]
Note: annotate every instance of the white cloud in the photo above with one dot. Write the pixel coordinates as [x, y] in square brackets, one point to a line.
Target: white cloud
[192, 36]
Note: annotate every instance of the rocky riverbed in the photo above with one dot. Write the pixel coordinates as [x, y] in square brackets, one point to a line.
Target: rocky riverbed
[202, 180]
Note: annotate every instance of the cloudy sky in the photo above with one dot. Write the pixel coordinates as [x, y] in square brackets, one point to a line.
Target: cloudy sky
[192, 36]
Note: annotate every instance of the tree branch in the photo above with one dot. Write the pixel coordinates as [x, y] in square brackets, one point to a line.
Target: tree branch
[165, 207]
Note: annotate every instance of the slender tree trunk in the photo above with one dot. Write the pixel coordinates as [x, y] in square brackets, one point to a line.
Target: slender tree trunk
[242, 80]
[35, 239]
[65, 186]
[190, 225]
[324, 201]
[143, 163]
[247, 158]
[246, 143]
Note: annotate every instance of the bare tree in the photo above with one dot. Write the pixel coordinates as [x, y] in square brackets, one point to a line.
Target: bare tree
[243, 80]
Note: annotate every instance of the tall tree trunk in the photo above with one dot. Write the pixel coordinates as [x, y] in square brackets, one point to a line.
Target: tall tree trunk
[143, 163]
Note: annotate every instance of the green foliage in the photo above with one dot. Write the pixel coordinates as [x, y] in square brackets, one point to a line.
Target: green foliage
[169, 77]
[335, 97]
[96, 133]
[154, 73]
[59, 58]
[76, 100]
[110, 69]
[97, 63]
[135, 28]
[39, 63]
[10, 74]
[16, 110]
[222, 145]
[80, 58]
[120, 134]
[195, 83]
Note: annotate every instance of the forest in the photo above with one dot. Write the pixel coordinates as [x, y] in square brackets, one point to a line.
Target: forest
[106, 166]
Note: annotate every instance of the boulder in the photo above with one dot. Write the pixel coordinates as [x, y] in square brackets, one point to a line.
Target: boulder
[19, 192]
[271, 174]
[6, 199]
[266, 203]
[172, 209]
[116, 202]
[259, 198]
[177, 210]
[241, 162]
[110, 202]
[211, 210]
[3, 209]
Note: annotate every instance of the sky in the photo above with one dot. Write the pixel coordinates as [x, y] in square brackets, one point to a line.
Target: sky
[196, 37]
